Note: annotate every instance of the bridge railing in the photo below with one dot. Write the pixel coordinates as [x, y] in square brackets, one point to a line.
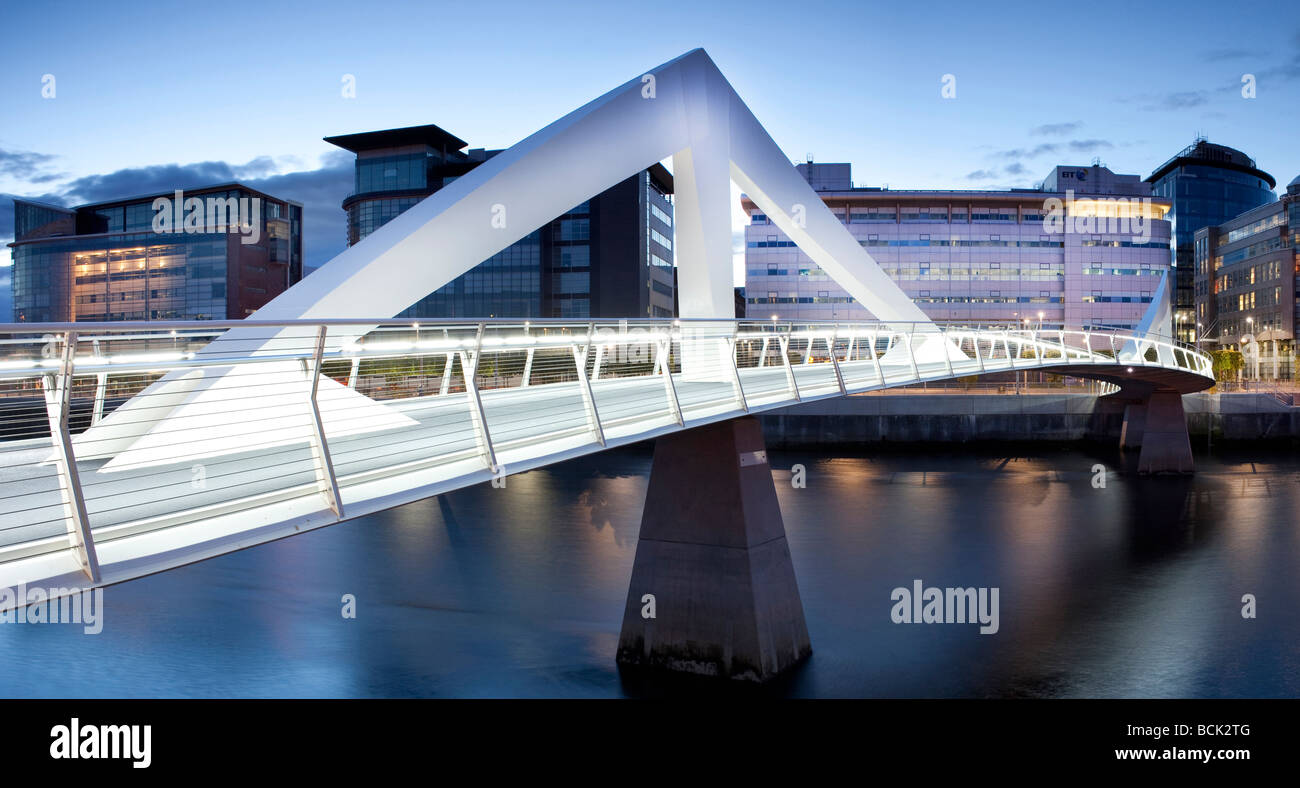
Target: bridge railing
[115, 430]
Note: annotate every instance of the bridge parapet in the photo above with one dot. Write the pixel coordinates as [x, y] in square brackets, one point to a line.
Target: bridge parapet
[130, 447]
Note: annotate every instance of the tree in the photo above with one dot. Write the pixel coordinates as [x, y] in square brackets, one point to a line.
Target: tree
[1227, 364]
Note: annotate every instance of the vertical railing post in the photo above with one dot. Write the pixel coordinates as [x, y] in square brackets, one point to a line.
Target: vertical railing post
[943, 340]
[353, 370]
[762, 354]
[445, 385]
[469, 368]
[835, 361]
[326, 481]
[875, 360]
[101, 388]
[975, 337]
[911, 352]
[735, 370]
[528, 355]
[58, 402]
[663, 361]
[528, 366]
[784, 343]
[584, 383]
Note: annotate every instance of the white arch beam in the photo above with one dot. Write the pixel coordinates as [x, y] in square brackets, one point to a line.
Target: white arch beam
[684, 109]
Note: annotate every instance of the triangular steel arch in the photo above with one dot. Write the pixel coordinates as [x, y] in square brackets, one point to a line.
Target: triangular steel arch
[684, 109]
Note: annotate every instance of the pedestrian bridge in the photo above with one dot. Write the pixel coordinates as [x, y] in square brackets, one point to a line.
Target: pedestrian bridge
[306, 437]
[127, 449]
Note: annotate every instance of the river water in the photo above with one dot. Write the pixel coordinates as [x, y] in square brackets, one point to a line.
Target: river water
[1133, 589]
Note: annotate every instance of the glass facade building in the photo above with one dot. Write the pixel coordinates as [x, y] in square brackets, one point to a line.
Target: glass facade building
[1206, 184]
[1246, 282]
[611, 256]
[977, 256]
[108, 262]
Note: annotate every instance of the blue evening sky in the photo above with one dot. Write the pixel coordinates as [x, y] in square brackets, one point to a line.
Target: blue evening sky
[154, 96]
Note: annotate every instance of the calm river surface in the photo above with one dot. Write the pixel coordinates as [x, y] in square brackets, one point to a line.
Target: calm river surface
[1133, 590]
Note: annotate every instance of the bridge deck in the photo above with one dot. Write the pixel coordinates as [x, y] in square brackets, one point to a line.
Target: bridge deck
[144, 519]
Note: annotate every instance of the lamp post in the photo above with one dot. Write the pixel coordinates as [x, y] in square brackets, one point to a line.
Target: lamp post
[1250, 329]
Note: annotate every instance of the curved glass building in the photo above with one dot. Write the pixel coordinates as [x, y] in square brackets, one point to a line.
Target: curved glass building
[1207, 184]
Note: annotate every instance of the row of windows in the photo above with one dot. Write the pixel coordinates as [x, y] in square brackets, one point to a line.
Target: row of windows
[1260, 226]
[1247, 252]
[1098, 270]
[925, 268]
[959, 215]
[1128, 244]
[575, 229]
[924, 298]
[1097, 298]
[391, 173]
[1248, 276]
[369, 215]
[659, 214]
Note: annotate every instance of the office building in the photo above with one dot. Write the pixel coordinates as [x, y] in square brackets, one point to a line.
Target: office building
[1245, 283]
[611, 256]
[1206, 184]
[1085, 249]
[217, 252]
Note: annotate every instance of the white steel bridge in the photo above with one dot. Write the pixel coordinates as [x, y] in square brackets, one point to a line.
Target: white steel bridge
[127, 449]
[412, 410]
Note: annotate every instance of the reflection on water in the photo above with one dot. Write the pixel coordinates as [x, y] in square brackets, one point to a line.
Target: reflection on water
[1130, 590]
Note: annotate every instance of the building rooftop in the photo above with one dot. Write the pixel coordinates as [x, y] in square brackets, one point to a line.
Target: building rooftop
[1205, 152]
[431, 135]
[191, 191]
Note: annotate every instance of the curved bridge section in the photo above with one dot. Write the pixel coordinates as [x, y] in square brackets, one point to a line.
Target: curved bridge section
[407, 410]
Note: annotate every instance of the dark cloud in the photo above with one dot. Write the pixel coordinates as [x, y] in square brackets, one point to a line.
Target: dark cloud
[23, 165]
[1052, 147]
[1015, 168]
[6, 218]
[1286, 71]
[1087, 145]
[1184, 99]
[321, 191]
[1055, 129]
[6, 294]
[156, 178]
[1027, 153]
[1226, 54]
[981, 175]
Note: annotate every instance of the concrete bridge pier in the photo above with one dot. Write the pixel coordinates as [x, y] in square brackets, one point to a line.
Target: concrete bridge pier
[713, 589]
[1135, 419]
[1156, 423]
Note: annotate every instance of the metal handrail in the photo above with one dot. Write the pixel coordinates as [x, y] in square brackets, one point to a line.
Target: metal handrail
[523, 387]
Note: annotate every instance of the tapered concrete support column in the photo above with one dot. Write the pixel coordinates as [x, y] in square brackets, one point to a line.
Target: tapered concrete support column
[1135, 418]
[1166, 447]
[713, 556]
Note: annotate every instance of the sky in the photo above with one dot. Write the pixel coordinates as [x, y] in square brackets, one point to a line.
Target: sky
[155, 96]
